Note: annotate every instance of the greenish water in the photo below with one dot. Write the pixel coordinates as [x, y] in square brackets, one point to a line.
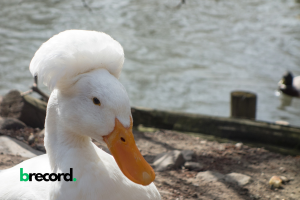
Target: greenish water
[184, 59]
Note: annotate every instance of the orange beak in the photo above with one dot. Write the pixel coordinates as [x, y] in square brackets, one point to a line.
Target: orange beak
[129, 159]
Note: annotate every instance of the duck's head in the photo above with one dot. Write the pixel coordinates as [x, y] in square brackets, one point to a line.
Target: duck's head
[83, 68]
[287, 79]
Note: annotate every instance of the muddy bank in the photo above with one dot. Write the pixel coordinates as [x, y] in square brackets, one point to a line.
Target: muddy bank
[223, 158]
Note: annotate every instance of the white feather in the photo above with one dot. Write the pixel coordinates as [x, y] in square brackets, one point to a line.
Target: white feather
[70, 53]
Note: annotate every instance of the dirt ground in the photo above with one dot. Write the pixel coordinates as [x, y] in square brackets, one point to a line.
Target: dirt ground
[224, 158]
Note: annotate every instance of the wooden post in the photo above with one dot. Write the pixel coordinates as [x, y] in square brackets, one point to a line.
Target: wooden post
[243, 105]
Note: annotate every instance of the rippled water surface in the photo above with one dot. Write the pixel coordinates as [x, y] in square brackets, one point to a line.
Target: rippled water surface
[183, 59]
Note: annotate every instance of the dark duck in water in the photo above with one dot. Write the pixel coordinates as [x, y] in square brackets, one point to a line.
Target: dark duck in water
[290, 85]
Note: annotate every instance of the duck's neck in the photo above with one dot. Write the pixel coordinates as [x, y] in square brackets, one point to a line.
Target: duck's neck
[62, 145]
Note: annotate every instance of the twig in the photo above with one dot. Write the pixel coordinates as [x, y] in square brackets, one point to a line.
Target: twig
[180, 4]
[86, 5]
[34, 88]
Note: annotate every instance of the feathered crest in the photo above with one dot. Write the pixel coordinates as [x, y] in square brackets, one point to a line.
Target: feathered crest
[74, 52]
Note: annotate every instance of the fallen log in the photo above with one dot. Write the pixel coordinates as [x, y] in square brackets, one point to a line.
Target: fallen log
[27, 109]
[236, 129]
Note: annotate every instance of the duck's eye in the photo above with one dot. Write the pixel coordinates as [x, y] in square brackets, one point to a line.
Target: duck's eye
[96, 101]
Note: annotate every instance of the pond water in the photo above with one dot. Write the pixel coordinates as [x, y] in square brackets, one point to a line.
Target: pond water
[186, 58]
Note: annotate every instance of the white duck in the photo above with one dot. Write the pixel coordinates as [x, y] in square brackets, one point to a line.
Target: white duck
[87, 101]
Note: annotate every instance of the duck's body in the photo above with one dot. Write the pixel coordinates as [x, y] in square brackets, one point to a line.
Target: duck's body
[290, 85]
[86, 102]
[101, 179]
[12, 188]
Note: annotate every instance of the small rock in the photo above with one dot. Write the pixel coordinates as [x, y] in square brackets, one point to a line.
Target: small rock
[194, 166]
[21, 138]
[210, 176]
[158, 156]
[255, 196]
[30, 139]
[221, 148]
[149, 158]
[170, 160]
[41, 148]
[282, 169]
[239, 145]
[187, 154]
[37, 129]
[284, 179]
[240, 179]
[42, 133]
[275, 182]
[11, 123]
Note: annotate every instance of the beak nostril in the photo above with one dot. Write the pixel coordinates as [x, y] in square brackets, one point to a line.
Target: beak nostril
[123, 140]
